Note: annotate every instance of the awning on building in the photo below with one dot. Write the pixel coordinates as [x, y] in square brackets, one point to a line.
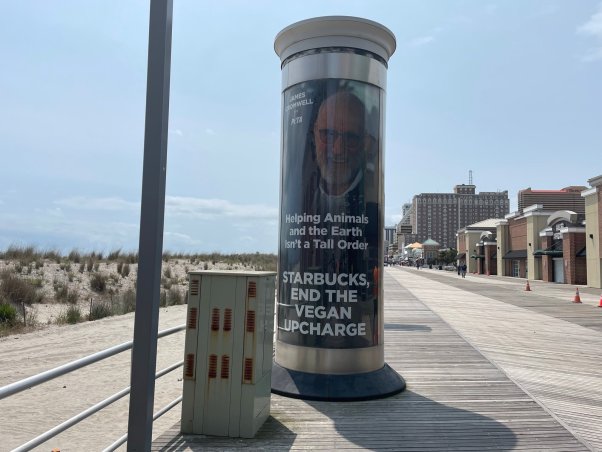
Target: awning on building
[553, 253]
[515, 254]
[477, 256]
[581, 253]
[460, 255]
[555, 250]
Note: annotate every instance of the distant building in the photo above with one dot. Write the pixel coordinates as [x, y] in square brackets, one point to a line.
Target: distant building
[390, 234]
[430, 250]
[439, 216]
[477, 247]
[390, 240]
[593, 229]
[406, 214]
[404, 237]
[403, 229]
[539, 244]
[557, 239]
[568, 198]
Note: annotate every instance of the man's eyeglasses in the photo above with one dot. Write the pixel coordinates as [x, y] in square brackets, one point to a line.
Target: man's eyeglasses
[351, 140]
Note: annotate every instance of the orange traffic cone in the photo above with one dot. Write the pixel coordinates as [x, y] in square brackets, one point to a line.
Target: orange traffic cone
[577, 298]
[600, 305]
[528, 288]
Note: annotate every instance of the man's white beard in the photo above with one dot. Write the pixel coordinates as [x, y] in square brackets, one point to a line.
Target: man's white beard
[352, 180]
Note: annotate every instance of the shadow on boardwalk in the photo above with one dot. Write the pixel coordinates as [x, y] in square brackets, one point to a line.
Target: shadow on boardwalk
[406, 421]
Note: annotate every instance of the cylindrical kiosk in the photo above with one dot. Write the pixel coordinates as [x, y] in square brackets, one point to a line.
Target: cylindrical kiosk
[329, 343]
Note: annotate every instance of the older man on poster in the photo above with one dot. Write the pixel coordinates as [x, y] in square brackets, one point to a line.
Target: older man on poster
[341, 143]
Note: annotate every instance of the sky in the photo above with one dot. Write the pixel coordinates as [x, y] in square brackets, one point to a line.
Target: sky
[511, 90]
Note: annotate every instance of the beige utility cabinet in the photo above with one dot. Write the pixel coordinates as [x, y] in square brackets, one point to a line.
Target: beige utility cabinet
[228, 352]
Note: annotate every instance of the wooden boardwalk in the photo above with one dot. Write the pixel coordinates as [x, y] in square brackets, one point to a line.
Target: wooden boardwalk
[549, 346]
[481, 373]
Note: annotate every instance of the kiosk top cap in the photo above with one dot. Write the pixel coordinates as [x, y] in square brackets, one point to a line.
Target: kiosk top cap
[335, 31]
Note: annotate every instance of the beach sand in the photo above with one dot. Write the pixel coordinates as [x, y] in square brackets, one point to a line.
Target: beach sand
[25, 415]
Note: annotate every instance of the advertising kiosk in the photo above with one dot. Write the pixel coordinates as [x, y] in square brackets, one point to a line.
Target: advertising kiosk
[330, 329]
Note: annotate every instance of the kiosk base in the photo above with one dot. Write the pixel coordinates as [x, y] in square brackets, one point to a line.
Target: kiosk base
[380, 383]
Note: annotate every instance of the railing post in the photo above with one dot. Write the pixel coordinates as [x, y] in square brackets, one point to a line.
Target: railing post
[144, 352]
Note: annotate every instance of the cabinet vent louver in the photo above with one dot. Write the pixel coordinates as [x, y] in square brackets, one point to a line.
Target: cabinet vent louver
[228, 319]
[194, 287]
[212, 366]
[215, 319]
[252, 289]
[248, 373]
[189, 367]
[225, 371]
[250, 322]
[193, 314]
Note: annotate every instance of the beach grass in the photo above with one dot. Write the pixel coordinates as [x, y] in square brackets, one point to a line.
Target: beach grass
[46, 286]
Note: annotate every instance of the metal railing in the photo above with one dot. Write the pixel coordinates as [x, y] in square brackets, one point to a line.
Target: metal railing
[30, 382]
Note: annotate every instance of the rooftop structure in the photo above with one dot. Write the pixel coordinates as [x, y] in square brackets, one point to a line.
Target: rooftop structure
[568, 198]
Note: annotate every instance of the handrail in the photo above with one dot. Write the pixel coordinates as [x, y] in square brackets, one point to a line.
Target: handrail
[156, 416]
[48, 375]
[86, 413]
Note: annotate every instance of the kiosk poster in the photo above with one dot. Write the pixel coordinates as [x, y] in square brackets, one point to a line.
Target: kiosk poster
[330, 225]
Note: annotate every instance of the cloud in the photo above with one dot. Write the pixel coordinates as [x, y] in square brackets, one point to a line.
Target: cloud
[56, 212]
[593, 28]
[210, 209]
[391, 220]
[177, 239]
[177, 132]
[85, 203]
[421, 41]
[182, 206]
[48, 230]
[210, 131]
[111, 222]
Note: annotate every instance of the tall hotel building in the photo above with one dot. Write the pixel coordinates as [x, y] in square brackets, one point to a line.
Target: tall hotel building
[439, 216]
